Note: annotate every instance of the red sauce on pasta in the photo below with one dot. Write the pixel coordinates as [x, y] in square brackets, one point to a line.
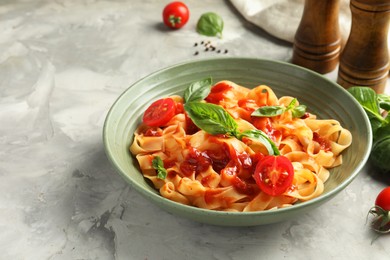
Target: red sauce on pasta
[243, 186]
[265, 125]
[153, 131]
[324, 143]
[195, 162]
[210, 194]
[218, 92]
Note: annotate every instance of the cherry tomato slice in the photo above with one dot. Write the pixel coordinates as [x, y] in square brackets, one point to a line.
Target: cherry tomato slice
[274, 174]
[383, 199]
[175, 15]
[159, 112]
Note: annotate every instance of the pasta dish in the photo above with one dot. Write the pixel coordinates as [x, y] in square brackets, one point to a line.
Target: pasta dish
[231, 148]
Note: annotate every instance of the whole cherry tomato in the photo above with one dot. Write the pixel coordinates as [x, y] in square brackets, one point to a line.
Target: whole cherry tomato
[274, 174]
[175, 15]
[159, 112]
[383, 199]
[381, 212]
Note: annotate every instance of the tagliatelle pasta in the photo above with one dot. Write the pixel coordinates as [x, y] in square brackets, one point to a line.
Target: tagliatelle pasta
[216, 171]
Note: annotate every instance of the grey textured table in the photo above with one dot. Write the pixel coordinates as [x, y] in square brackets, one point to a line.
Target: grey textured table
[62, 65]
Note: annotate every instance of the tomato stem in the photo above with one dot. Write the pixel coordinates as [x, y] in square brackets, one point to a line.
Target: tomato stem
[381, 220]
[174, 20]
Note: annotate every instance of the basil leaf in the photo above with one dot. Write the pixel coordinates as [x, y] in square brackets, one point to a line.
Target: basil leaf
[211, 118]
[158, 165]
[262, 137]
[271, 111]
[292, 104]
[210, 24]
[368, 99]
[382, 133]
[380, 154]
[298, 111]
[198, 91]
[384, 101]
[268, 111]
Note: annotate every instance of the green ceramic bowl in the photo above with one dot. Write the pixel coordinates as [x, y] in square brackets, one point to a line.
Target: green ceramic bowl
[322, 96]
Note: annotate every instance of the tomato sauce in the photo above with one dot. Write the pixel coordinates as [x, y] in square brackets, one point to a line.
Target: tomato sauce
[195, 162]
[240, 166]
[242, 186]
[191, 128]
[324, 143]
[264, 124]
[210, 194]
[153, 131]
[218, 92]
[219, 159]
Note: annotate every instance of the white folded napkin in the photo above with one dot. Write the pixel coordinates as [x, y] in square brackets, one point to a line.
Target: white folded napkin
[281, 18]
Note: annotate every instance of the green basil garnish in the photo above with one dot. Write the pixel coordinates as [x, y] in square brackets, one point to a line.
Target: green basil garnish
[211, 118]
[262, 137]
[198, 91]
[369, 101]
[298, 111]
[158, 165]
[268, 111]
[384, 101]
[373, 104]
[271, 111]
[210, 24]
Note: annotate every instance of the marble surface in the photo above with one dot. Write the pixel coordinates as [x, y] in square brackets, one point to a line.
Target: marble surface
[63, 63]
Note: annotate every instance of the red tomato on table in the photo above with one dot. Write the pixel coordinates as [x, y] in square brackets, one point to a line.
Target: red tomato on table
[159, 112]
[381, 212]
[274, 174]
[383, 199]
[176, 15]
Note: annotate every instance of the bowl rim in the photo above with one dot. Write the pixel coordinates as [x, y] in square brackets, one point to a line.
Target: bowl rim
[155, 197]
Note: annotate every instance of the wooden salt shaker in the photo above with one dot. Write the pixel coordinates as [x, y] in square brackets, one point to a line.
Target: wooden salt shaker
[365, 58]
[317, 40]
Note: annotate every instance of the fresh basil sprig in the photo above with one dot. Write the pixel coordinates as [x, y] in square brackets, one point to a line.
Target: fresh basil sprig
[211, 118]
[373, 103]
[271, 111]
[260, 135]
[198, 90]
[368, 99]
[384, 101]
[210, 24]
[158, 165]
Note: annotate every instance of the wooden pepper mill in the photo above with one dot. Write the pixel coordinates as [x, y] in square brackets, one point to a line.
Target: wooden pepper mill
[365, 58]
[317, 40]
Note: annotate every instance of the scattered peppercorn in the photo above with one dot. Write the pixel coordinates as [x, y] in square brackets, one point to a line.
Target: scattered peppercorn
[208, 46]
